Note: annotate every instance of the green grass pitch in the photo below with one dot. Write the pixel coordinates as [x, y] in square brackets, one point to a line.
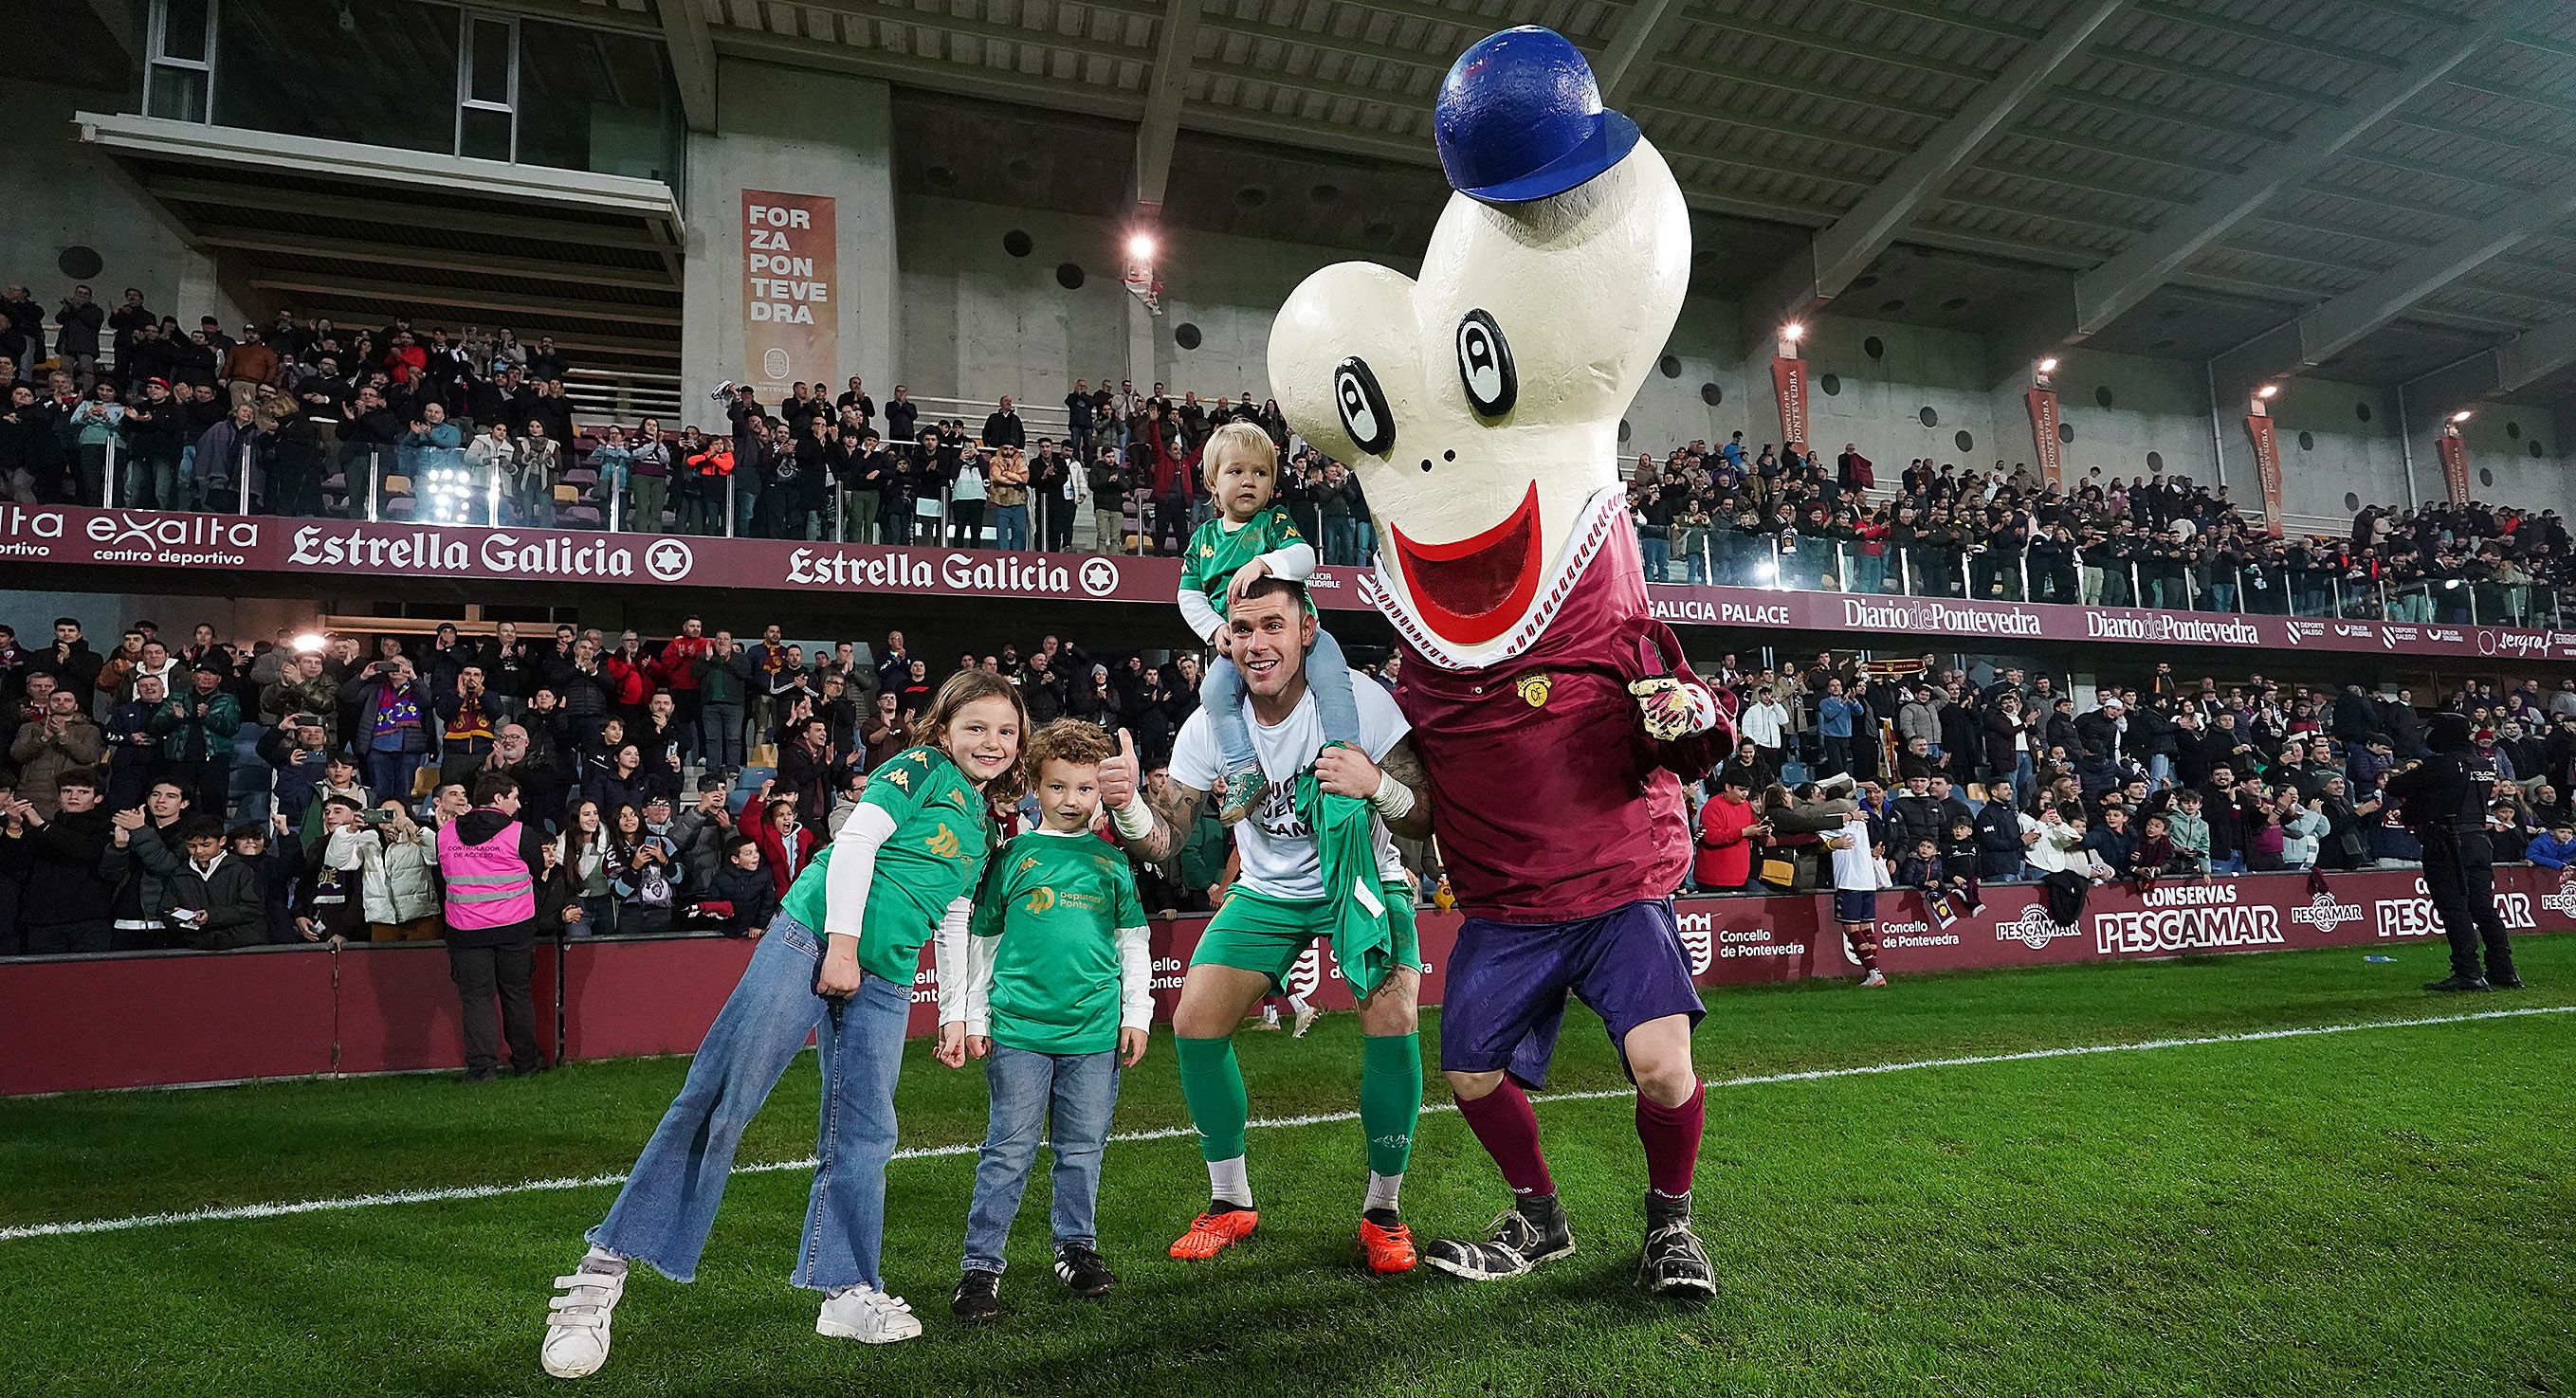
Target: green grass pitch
[2384, 1212]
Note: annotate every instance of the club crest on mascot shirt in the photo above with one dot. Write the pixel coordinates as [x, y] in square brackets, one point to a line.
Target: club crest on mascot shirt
[1479, 406]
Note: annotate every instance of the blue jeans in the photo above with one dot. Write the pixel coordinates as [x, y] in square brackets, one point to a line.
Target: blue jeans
[662, 1215]
[1658, 554]
[390, 773]
[1010, 527]
[1081, 1089]
[1341, 540]
[720, 735]
[1328, 677]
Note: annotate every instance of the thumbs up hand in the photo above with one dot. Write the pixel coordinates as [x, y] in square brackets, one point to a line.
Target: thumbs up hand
[1121, 776]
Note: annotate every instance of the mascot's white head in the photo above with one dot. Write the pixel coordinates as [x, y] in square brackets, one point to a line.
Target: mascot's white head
[1480, 405]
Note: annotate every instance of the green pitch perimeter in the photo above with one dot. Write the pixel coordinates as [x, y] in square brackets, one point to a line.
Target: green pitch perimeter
[2387, 1211]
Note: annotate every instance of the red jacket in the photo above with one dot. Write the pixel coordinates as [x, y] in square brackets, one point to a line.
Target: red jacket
[774, 854]
[629, 685]
[1725, 857]
[676, 666]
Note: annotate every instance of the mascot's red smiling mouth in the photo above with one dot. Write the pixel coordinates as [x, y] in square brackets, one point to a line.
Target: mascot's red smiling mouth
[1472, 590]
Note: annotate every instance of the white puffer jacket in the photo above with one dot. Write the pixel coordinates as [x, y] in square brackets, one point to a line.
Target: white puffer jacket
[401, 882]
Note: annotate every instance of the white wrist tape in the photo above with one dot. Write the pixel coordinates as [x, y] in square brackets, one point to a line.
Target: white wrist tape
[1135, 820]
[1393, 799]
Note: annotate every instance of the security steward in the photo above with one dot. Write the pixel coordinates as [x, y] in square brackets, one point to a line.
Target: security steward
[2445, 802]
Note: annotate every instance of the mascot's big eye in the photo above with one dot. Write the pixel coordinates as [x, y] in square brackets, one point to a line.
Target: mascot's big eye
[1363, 407]
[1485, 365]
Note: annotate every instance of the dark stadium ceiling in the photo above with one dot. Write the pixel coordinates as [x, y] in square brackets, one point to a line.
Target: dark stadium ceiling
[2384, 185]
[2371, 190]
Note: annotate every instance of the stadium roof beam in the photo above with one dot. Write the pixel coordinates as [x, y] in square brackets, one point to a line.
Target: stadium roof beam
[1646, 31]
[1844, 249]
[2518, 363]
[464, 298]
[277, 243]
[1175, 47]
[2265, 33]
[692, 48]
[2325, 331]
[2105, 293]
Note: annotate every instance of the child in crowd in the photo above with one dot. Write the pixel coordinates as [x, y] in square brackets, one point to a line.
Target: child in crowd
[2555, 848]
[1058, 998]
[2189, 831]
[741, 899]
[216, 897]
[329, 901]
[838, 961]
[1253, 538]
[275, 865]
[1922, 868]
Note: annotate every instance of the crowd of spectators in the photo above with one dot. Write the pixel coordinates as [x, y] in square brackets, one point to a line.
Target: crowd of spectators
[1990, 776]
[680, 784]
[1774, 518]
[303, 417]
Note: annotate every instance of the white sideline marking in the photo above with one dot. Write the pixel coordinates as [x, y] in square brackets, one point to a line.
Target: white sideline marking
[237, 1212]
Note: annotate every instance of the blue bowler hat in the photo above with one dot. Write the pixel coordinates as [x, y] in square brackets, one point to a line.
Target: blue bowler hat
[1519, 118]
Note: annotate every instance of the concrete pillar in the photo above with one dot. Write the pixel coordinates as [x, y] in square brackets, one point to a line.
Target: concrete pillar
[793, 132]
[1142, 342]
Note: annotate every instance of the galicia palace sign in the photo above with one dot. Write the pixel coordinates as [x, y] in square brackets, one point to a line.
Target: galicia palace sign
[49, 534]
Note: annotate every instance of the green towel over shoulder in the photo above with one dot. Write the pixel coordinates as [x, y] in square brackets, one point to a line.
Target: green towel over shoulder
[1363, 930]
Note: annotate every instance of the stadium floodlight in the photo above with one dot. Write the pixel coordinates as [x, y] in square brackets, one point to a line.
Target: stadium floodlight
[1141, 246]
[310, 643]
[1793, 332]
[2048, 365]
[2266, 391]
[2462, 415]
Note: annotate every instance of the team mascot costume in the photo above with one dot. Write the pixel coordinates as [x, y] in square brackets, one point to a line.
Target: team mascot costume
[1480, 406]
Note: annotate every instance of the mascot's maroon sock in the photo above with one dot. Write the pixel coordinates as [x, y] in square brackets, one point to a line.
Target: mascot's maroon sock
[1671, 1138]
[1508, 1128]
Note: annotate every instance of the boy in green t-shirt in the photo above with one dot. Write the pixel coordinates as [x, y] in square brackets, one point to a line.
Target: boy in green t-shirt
[1252, 538]
[1057, 998]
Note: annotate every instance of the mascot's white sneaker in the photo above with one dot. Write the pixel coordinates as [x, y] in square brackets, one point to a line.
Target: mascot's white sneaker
[577, 1318]
[867, 1315]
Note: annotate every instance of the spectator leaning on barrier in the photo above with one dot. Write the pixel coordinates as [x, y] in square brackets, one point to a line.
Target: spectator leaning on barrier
[67, 903]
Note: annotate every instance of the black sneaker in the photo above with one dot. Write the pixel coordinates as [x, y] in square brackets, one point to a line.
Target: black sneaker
[1523, 1236]
[1079, 1267]
[2456, 984]
[979, 1297]
[2504, 983]
[1674, 1264]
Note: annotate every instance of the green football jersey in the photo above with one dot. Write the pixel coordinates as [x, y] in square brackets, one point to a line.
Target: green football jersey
[1216, 552]
[943, 834]
[1056, 902]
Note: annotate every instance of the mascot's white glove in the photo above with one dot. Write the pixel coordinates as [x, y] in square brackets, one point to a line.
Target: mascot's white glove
[1672, 709]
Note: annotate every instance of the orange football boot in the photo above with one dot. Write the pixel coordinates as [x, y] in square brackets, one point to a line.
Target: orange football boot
[1388, 1250]
[1211, 1234]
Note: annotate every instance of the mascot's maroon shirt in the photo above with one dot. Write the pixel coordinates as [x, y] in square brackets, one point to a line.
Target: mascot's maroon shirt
[1550, 802]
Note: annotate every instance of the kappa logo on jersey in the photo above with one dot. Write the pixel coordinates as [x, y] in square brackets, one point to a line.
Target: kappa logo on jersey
[1534, 688]
[1027, 864]
[902, 779]
[944, 844]
[1040, 899]
[2325, 914]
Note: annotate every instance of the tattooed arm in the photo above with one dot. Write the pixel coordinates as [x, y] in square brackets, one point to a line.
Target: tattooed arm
[1152, 829]
[1394, 784]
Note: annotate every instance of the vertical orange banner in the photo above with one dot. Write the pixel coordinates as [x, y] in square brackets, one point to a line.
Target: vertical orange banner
[2267, 470]
[2046, 451]
[2455, 465]
[790, 290]
[1789, 383]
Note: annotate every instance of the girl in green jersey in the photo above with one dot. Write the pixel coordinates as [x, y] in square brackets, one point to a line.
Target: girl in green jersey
[837, 963]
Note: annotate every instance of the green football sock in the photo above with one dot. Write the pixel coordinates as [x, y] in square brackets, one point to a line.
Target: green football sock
[1212, 1085]
[1390, 1098]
